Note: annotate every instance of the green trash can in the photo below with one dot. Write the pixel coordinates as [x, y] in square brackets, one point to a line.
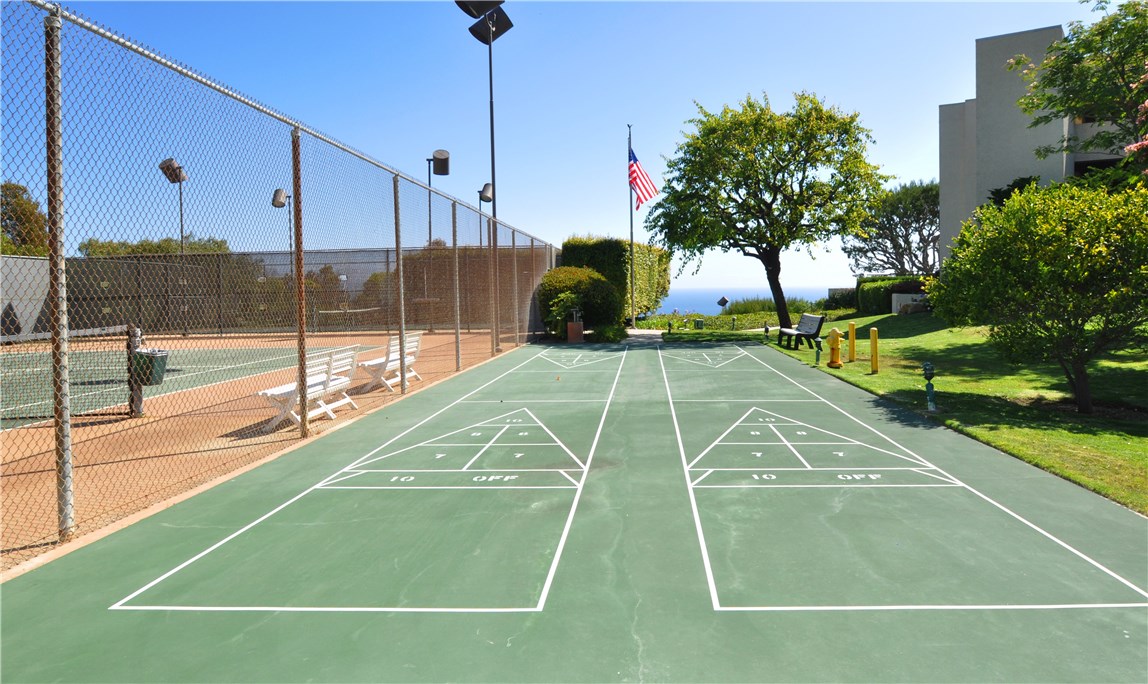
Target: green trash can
[149, 365]
[699, 324]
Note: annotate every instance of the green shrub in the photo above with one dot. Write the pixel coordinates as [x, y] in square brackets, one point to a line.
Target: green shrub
[600, 301]
[607, 333]
[875, 293]
[611, 258]
[842, 299]
[559, 312]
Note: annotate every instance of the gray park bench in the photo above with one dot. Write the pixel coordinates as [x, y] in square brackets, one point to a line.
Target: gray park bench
[808, 328]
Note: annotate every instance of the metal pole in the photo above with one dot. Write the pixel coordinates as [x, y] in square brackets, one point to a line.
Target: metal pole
[490, 70]
[490, 287]
[457, 312]
[402, 303]
[514, 284]
[629, 148]
[497, 285]
[300, 291]
[58, 286]
[182, 264]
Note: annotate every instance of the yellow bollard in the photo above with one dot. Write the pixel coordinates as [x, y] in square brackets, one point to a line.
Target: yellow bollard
[874, 366]
[834, 338]
[852, 341]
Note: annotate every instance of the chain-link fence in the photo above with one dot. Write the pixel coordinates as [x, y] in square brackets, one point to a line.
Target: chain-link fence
[244, 246]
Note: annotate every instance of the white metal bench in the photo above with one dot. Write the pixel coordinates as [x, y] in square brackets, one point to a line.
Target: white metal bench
[328, 375]
[382, 368]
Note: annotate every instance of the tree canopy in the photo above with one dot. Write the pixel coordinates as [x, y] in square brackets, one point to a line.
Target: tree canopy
[901, 236]
[94, 247]
[25, 227]
[1096, 73]
[757, 181]
[1057, 273]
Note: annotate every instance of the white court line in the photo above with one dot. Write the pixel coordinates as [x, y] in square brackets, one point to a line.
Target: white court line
[689, 487]
[118, 605]
[581, 483]
[535, 401]
[1035, 606]
[791, 448]
[709, 362]
[1000, 506]
[720, 437]
[704, 476]
[843, 485]
[317, 609]
[456, 470]
[483, 449]
[751, 401]
[458, 487]
[760, 469]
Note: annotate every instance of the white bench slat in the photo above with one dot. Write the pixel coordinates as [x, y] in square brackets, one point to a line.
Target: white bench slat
[328, 373]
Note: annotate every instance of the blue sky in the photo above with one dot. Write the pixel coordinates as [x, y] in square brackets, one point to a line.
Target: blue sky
[398, 80]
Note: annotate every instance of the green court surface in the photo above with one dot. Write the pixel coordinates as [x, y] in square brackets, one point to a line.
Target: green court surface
[608, 513]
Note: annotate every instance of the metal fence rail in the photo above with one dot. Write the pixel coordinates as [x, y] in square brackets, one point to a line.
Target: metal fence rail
[137, 194]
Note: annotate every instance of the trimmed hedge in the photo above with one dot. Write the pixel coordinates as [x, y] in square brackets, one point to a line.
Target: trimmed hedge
[611, 258]
[875, 293]
[601, 304]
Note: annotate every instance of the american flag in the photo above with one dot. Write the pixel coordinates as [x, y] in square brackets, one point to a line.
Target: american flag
[640, 181]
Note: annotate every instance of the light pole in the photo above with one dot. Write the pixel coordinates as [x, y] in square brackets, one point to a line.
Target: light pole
[486, 194]
[279, 200]
[491, 25]
[175, 174]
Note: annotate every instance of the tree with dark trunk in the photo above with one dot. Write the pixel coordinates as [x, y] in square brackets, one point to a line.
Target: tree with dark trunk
[758, 182]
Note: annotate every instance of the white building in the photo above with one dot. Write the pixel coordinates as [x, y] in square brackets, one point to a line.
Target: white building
[985, 142]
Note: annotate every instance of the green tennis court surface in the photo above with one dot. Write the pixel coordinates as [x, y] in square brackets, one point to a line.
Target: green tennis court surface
[99, 378]
[592, 513]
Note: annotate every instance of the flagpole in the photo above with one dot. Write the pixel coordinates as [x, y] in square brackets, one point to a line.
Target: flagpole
[629, 151]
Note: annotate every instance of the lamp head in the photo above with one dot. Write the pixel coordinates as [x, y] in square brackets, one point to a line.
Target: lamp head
[477, 8]
[279, 198]
[491, 26]
[487, 193]
[172, 170]
[440, 162]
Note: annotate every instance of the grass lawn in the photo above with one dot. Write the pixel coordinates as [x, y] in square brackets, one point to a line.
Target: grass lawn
[1023, 410]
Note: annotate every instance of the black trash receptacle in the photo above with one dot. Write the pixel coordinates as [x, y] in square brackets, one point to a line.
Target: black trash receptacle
[149, 365]
[699, 324]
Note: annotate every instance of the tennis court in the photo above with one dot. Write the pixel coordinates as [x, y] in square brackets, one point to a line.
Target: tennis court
[98, 372]
[609, 513]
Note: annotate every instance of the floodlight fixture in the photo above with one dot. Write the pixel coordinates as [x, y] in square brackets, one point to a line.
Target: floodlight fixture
[440, 163]
[491, 26]
[172, 170]
[477, 8]
[279, 198]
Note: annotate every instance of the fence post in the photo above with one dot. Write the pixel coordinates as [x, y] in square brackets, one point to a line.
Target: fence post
[497, 286]
[531, 327]
[457, 313]
[58, 286]
[514, 284]
[300, 290]
[491, 288]
[402, 296]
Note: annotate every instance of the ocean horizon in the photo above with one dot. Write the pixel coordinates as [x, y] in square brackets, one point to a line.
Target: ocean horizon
[704, 300]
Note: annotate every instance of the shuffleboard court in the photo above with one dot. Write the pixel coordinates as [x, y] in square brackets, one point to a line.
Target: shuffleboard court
[508, 471]
[865, 523]
[609, 513]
